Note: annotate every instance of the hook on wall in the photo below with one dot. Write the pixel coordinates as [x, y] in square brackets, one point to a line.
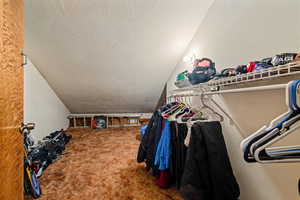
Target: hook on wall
[25, 58]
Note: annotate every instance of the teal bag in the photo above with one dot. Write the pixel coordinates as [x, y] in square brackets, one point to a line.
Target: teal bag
[182, 80]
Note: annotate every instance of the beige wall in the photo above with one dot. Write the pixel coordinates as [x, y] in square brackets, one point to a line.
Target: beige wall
[41, 104]
[235, 32]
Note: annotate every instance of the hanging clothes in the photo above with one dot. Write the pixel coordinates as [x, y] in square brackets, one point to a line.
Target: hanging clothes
[188, 137]
[208, 173]
[143, 130]
[149, 143]
[178, 134]
[163, 180]
[164, 148]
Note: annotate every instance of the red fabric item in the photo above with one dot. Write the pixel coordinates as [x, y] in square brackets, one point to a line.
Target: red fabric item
[94, 124]
[162, 181]
[251, 66]
[163, 125]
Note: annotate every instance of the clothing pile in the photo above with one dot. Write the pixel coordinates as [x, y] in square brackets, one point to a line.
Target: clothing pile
[194, 158]
[204, 69]
[265, 63]
[48, 151]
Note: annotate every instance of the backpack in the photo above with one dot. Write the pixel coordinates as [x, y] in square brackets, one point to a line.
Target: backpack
[202, 73]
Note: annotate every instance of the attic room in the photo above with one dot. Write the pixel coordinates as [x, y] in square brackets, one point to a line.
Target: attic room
[150, 100]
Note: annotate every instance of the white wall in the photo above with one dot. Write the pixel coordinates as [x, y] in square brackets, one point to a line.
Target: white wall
[235, 32]
[41, 104]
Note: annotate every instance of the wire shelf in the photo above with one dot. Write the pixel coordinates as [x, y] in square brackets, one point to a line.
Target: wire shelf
[273, 72]
[267, 74]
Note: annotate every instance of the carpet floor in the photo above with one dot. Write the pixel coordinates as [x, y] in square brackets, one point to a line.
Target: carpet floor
[101, 165]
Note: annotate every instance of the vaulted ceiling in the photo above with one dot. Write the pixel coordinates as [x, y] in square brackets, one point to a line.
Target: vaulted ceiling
[109, 55]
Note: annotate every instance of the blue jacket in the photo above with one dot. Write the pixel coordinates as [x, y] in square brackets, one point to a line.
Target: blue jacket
[164, 148]
[143, 130]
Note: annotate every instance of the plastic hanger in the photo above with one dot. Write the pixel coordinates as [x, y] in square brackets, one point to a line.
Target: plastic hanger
[171, 113]
[281, 131]
[183, 112]
[173, 106]
[221, 118]
[288, 120]
[254, 146]
[247, 143]
[265, 128]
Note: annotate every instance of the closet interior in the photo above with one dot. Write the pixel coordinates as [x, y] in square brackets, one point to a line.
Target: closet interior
[150, 100]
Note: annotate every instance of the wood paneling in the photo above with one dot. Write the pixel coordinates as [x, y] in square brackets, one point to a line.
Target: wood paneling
[11, 99]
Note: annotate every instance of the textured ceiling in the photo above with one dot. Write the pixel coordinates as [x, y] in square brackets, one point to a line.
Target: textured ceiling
[109, 55]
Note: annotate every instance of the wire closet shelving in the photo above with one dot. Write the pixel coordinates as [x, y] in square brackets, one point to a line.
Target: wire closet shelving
[221, 85]
[112, 119]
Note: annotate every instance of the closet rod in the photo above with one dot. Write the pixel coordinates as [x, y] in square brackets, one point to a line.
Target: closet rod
[239, 90]
[250, 89]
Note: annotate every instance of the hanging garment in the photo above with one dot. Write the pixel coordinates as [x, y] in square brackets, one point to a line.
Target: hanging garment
[143, 130]
[208, 173]
[189, 132]
[178, 134]
[164, 148]
[163, 180]
[149, 143]
[142, 152]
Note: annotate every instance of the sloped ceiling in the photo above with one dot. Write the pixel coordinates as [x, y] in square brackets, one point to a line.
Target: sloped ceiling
[109, 55]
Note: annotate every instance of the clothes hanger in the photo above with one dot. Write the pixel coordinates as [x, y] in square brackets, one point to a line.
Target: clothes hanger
[187, 113]
[185, 109]
[221, 118]
[172, 113]
[276, 135]
[283, 151]
[249, 141]
[168, 110]
[170, 107]
[173, 110]
[194, 120]
[263, 138]
[198, 116]
[265, 128]
[262, 157]
[193, 112]
[288, 120]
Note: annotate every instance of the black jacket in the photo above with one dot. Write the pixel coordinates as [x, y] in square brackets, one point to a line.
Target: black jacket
[150, 140]
[208, 174]
[179, 132]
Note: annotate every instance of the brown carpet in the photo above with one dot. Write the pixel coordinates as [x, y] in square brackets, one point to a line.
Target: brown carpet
[101, 165]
